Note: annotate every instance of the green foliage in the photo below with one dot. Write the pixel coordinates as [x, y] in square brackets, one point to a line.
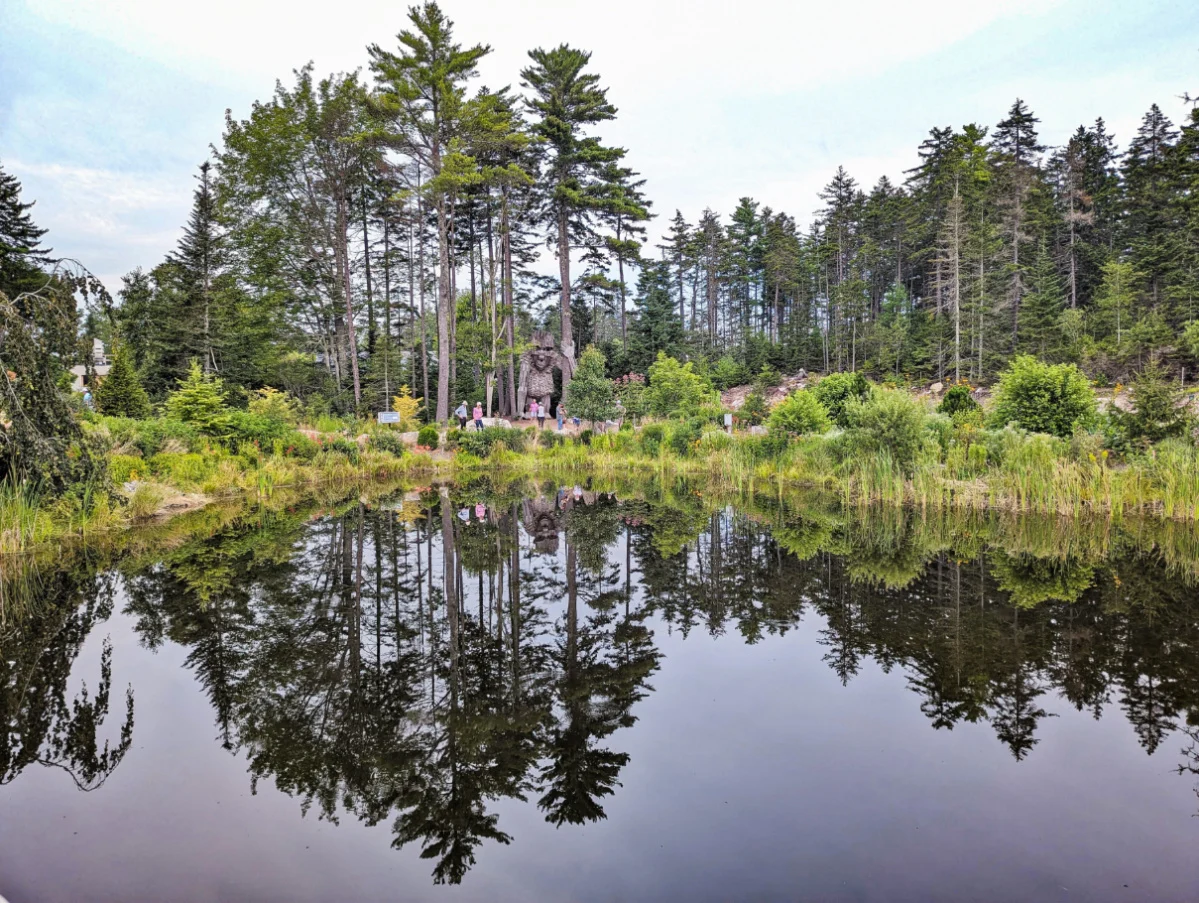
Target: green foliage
[767, 378]
[1158, 412]
[480, 443]
[120, 393]
[429, 437]
[630, 390]
[122, 468]
[958, 400]
[247, 428]
[753, 410]
[388, 441]
[676, 388]
[728, 373]
[590, 394]
[651, 439]
[200, 401]
[347, 448]
[837, 390]
[799, 414]
[684, 435]
[889, 422]
[1043, 398]
[275, 405]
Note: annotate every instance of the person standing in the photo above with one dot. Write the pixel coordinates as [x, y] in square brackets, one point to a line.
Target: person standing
[561, 415]
[478, 416]
[540, 416]
[461, 415]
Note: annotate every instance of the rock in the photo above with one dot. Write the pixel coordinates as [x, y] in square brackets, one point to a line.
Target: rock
[802, 374]
[363, 440]
[937, 388]
[758, 431]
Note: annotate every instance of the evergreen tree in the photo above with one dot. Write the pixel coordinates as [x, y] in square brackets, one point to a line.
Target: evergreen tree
[1149, 227]
[658, 327]
[564, 101]
[590, 394]
[197, 263]
[1017, 149]
[21, 254]
[422, 97]
[120, 393]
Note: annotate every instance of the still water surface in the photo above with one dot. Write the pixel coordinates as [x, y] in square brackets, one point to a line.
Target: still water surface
[462, 695]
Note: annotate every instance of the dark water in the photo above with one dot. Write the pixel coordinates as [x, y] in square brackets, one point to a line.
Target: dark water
[658, 698]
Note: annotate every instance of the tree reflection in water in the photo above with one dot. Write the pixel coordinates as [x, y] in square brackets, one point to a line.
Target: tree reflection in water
[422, 660]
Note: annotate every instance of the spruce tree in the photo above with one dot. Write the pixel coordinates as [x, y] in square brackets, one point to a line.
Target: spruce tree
[1150, 227]
[21, 254]
[120, 393]
[658, 327]
[197, 261]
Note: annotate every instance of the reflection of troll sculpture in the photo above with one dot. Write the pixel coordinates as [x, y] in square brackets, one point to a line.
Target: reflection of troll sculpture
[542, 521]
[537, 365]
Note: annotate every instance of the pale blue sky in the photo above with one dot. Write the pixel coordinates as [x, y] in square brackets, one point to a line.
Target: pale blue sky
[107, 107]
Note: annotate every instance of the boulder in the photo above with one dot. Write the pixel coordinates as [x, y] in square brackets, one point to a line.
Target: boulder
[937, 388]
[758, 430]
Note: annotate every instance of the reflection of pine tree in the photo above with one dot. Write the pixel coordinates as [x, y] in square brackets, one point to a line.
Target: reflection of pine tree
[39, 651]
[600, 677]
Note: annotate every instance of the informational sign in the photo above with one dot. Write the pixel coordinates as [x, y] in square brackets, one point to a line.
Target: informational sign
[389, 416]
[728, 420]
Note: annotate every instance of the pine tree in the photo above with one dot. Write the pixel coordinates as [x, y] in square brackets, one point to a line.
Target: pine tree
[21, 254]
[625, 210]
[565, 100]
[120, 393]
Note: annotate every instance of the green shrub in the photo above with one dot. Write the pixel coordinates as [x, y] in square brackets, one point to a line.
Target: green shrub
[958, 400]
[1158, 411]
[890, 421]
[297, 445]
[181, 467]
[275, 405]
[799, 414]
[388, 441]
[727, 373]
[767, 378]
[651, 439]
[685, 434]
[121, 468]
[151, 435]
[480, 444]
[551, 439]
[347, 448]
[245, 428]
[1043, 398]
[676, 388]
[764, 448]
[200, 401]
[428, 436]
[835, 392]
[753, 410]
[586, 436]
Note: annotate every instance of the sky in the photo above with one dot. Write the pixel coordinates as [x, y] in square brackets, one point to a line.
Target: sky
[107, 108]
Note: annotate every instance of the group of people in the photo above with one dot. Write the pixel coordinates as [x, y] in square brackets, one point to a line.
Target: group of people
[477, 413]
[537, 410]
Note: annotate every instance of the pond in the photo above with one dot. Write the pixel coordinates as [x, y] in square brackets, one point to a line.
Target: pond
[603, 694]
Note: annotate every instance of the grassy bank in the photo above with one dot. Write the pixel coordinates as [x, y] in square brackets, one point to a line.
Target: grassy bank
[956, 467]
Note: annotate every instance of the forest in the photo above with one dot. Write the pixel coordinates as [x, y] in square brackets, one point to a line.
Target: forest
[358, 231]
[391, 238]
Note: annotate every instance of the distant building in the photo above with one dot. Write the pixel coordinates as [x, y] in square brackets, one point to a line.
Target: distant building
[100, 367]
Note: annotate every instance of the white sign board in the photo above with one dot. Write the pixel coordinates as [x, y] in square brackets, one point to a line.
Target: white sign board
[389, 416]
[728, 419]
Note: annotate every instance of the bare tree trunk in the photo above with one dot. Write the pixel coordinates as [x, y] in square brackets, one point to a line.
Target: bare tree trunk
[568, 338]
